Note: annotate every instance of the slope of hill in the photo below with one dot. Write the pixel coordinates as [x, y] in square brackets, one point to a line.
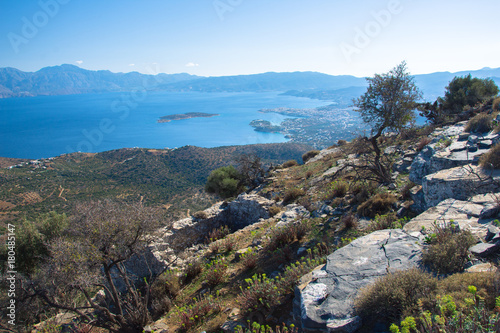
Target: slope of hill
[157, 177]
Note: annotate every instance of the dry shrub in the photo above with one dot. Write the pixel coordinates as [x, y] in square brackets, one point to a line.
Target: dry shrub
[349, 221]
[456, 286]
[289, 164]
[309, 174]
[448, 250]
[216, 272]
[249, 259]
[274, 210]
[292, 194]
[496, 104]
[200, 215]
[406, 190]
[165, 288]
[285, 235]
[192, 270]
[379, 204]
[217, 233]
[310, 154]
[480, 123]
[491, 160]
[423, 142]
[338, 189]
[362, 191]
[395, 295]
[341, 143]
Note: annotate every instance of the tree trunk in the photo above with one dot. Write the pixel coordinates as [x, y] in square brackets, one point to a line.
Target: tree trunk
[380, 169]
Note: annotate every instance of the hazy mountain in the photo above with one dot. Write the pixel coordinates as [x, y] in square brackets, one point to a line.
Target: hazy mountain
[69, 79]
[267, 82]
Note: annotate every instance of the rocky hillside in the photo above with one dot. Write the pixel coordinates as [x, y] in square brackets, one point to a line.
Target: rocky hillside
[301, 249]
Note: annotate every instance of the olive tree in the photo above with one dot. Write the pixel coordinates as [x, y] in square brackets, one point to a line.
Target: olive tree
[388, 104]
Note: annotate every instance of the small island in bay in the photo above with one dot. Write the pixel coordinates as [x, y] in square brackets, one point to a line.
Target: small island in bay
[260, 125]
[187, 115]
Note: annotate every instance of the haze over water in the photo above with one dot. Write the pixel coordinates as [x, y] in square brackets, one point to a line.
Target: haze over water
[47, 126]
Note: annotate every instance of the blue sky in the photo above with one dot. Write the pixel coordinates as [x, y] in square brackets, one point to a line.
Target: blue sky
[228, 37]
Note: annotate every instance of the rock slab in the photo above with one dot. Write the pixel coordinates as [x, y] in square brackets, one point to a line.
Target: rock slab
[325, 300]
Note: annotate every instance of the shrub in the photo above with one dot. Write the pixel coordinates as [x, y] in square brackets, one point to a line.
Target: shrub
[218, 233]
[341, 143]
[386, 221]
[165, 288]
[255, 327]
[274, 210]
[249, 259]
[338, 189]
[261, 292]
[216, 271]
[491, 159]
[423, 142]
[380, 203]
[224, 181]
[480, 123]
[193, 269]
[349, 221]
[496, 104]
[194, 313]
[394, 295]
[200, 215]
[310, 154]
[285, 235]
[292, 195]
[468, 91]
[448, 251]
[289, 164]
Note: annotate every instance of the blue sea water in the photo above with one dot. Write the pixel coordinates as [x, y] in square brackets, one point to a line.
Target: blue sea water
[46, 126]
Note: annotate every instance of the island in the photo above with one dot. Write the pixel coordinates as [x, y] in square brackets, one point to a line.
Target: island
[187, 115]
[260, 125]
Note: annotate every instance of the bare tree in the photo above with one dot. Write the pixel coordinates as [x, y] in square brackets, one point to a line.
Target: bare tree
[92, 256]
[251, 169]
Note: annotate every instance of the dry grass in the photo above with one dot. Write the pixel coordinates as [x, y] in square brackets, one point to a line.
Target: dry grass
[310, 154]
[480, 123]
[491, 159]
[380, 203]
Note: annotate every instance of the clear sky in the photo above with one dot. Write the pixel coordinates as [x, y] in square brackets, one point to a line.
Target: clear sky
[228, 37]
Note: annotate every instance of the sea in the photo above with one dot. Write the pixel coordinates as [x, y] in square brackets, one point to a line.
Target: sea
[48, 126]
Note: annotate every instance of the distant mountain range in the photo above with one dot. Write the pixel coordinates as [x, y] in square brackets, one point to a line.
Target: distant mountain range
[70, 79]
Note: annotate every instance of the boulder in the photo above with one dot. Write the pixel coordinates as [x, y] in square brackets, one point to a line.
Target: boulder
[325, 297]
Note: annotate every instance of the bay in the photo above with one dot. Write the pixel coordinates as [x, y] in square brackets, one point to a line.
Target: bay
[47, 126]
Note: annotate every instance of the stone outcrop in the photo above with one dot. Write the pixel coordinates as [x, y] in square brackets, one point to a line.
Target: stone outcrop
[323, 153]
[459, 183]
[468, 214]
[325, 298]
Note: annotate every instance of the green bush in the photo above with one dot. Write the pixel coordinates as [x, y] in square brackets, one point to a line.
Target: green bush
[395, 295]
[224, 181]
[468, 91]
[310, 154]
[380, 203]
[480, 123]
[448, 250]
[338, 189]
[491, 159]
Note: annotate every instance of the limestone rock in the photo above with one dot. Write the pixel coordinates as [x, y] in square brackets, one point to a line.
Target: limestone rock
[325, 301]
[322, 154]
[457, 183]
[467, 213]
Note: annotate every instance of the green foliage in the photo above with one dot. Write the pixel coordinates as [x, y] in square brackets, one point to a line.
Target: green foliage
[310, 154]
[480, 123]
[32, 239]
[388, 104]
[224, 181]
[380, 203]
[491, 159]
[338, 189]
[387, 221]
[474, 318]
[448, 250]
[389, 101]
[285, 235]
[215, 271]
[467, 91]
[249, 259]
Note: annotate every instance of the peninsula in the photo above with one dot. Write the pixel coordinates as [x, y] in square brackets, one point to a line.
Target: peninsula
[187, 115]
